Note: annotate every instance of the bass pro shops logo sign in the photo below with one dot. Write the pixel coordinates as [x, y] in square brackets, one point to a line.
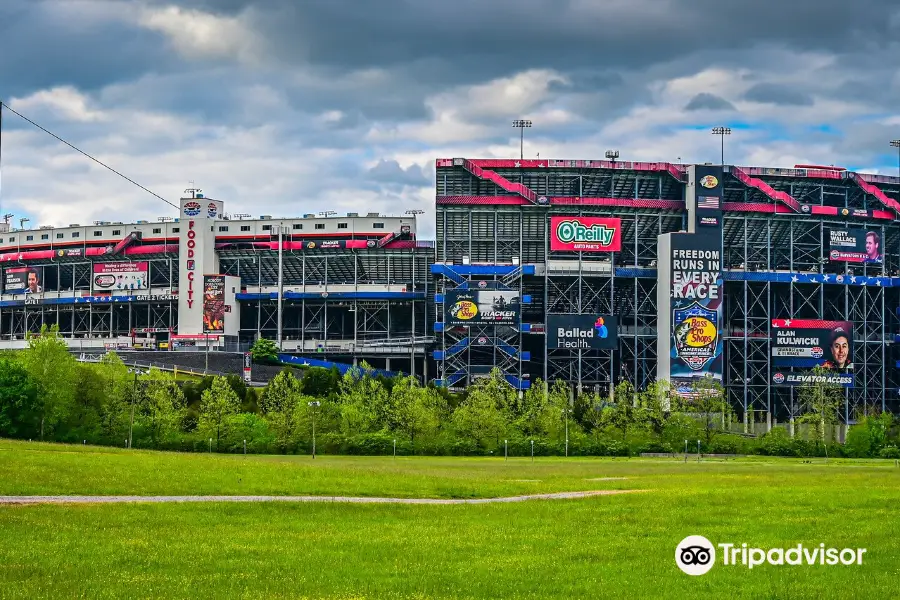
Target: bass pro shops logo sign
[696, 333]
[464, 310]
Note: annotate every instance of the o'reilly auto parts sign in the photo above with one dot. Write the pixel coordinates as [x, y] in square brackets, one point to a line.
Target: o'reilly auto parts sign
[585, 234]
[581, 332]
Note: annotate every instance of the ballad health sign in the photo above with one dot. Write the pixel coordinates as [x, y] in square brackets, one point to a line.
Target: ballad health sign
[690, 296]
[585, 234]
[581, 332]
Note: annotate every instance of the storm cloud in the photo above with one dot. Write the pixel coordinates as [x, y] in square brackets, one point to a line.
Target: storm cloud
[282, 108]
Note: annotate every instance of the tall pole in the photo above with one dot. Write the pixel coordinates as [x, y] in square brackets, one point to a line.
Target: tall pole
[521, 124]
[280, 284]
[313, 405]
[522, 144]
[133, 396]
[722, 132]
[896, 144]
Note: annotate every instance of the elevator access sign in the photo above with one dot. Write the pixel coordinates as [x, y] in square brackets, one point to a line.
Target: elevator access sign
[585, 234]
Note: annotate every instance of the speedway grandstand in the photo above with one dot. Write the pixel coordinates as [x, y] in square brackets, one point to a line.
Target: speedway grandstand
[355, 287]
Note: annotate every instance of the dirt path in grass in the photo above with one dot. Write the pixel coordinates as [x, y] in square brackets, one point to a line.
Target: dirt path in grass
[345, 499]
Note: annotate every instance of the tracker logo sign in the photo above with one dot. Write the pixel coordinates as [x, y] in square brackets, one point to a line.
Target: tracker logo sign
[695, 555]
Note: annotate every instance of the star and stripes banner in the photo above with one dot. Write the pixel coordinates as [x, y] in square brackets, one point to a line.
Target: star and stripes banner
[709, 202]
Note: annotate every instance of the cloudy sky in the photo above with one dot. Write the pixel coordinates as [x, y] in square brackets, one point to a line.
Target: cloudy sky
[291, 106]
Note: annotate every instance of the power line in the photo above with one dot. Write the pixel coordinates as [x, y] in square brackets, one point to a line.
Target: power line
[73, 147]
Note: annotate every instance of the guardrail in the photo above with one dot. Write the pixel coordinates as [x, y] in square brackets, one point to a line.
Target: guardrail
[175, 369]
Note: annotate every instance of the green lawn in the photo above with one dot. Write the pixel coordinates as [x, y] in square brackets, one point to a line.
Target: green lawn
[608, 546]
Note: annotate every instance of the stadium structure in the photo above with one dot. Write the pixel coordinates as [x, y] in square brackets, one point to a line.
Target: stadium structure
[590, 271]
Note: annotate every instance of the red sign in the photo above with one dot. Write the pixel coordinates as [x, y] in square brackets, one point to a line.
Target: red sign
[585, 234]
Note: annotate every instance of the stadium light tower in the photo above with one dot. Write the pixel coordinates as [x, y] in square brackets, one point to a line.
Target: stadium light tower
[327, 213]
[612, 155]
[896, 144]
[722, 132]
[521, 124]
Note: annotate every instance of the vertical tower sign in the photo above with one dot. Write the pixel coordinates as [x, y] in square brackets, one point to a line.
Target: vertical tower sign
[196, 256]
[690, 299]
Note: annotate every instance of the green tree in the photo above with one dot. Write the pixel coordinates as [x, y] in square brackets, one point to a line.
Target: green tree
[623, 415]
[708, 401]
[217, 404]
[820, 402]
[20, 408]
[281, 393]
[479, 418]
[117, 388]
[364, 402]
[278, 404]
[657, 404]
[414, 411]
[163, 406]
[50, 364]
[264, 351]
[321, 383]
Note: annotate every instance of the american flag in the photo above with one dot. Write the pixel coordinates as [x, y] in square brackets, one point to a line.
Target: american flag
[708, 202]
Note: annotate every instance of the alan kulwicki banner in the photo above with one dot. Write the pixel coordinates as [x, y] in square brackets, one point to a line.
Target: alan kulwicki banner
[812, 343]
[690, 296]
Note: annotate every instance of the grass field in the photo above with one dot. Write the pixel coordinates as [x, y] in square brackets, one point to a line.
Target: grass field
[609, 546]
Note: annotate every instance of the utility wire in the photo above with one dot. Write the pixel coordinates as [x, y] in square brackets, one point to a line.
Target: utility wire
[73, 147]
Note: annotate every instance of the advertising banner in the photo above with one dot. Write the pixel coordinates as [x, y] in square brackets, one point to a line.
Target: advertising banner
[798, 379]
[812, 343]
[704, 199]
[855, 245]
[585, 234]
[695, 293]
[23, 280]
[214, 304]
[582, 332]
[248, 367]
[482, 307]
[120, 276]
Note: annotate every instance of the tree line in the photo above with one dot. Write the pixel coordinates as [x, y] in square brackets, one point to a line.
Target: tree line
[46, 394]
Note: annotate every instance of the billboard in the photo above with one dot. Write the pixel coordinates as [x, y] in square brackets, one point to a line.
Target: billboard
[581, 332]
[120, 276]
[855, 245]
[796, 379]
[214, 304]
[813, 343]
[704, 199]
[482, 307]
[585, 234]
[694, 304]
[23, 280]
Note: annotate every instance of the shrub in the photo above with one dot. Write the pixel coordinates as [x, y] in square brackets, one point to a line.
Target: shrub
[889, 452]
